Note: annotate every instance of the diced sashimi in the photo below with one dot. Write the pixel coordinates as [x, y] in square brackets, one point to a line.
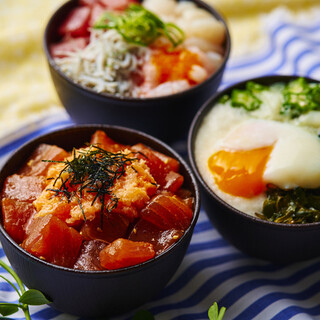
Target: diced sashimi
[96, 11]
[174, 181]
[160, 239]
[162, 167]
[114, 226]
[35, 166]
[88, 3]
[89, 255]
[167, 212]
[117, 4]
[169, 162]
[61, 49]
[124, 253]
[51, 239]
[23, 188]
[16, 215]
[77, 22]
[101, 139]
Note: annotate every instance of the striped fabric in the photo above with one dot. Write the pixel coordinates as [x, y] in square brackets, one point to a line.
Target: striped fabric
[213, 270]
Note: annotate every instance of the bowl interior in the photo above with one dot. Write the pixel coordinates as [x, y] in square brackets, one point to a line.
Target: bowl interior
[51, 36]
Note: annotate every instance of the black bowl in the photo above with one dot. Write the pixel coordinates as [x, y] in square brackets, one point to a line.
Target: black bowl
[167, 118]
[97, 293]
[277, 242]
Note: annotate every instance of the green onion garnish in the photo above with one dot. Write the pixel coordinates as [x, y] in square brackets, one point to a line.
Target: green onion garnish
[140, 26]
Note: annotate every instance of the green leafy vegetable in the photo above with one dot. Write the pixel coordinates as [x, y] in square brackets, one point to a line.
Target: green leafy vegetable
[300, 97]
[214, 313]
[297, 205]
[26, 297]
[140, 26]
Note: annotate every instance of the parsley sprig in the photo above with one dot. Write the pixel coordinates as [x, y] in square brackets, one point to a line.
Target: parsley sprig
[140, 26]
[27, 298]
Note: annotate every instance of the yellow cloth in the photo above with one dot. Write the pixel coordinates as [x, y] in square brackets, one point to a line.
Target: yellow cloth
[26, 91]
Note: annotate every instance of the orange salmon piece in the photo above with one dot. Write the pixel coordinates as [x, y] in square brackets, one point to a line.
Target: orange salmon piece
[23, 188]
[167, 212]
[123, 253]
[51, 239]
[16, 215]
[35, 166]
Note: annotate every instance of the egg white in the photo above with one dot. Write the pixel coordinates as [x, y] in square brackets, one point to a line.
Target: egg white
[294, 160]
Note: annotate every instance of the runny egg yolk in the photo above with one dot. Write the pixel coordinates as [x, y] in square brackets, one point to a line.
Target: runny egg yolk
[240, 173]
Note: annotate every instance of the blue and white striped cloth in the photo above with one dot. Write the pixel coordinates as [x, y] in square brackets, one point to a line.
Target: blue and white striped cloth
[213, 270]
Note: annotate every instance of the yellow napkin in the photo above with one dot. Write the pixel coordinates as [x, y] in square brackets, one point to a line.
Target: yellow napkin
[26, 91]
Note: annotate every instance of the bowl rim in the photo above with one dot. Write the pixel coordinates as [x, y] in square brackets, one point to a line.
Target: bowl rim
[89, 91]
[139, 134]
[195, 125]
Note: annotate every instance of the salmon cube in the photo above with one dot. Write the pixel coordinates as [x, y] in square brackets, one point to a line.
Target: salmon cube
[23, 188]
[51, 239]
[123, 253]
[160, 165]
[16, 215]
[166, 212]
[114, 226]
[101, 139]
[35, 166]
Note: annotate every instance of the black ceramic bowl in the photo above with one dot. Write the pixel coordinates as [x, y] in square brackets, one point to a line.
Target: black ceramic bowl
[167, 117]
[97, 293]
[277, 242]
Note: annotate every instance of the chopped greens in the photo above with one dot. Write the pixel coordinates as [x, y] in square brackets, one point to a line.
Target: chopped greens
[245, 98]
[140, 26]
[297, 205]
[300, 97]
[30, 297]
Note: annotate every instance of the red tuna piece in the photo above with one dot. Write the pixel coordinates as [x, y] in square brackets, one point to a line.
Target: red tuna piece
[35, 166]
[167, 212]
[50, 238]
[16, 215]
[89, 255]
[23, 188]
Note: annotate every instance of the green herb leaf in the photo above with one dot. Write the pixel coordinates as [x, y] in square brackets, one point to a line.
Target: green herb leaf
[33, 297]
[29, 297]
[297, 205]
[143, 315]
[6, 309]
[214, 313]
[140, 26]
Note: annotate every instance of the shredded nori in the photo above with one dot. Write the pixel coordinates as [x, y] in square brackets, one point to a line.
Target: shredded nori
[95, 170]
